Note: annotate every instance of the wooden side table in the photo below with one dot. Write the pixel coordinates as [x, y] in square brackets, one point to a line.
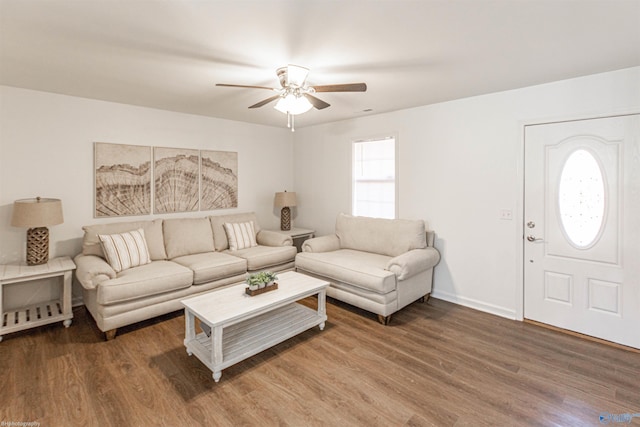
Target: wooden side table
[42, 313]
[299, 235]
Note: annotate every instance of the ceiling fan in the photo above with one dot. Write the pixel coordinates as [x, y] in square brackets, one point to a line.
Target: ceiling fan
[294, 95]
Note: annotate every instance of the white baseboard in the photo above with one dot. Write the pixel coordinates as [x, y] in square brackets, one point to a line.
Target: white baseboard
[475, 304]
[77, 301]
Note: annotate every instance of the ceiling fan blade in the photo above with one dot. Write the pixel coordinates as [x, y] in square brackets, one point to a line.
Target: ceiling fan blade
[245, 86]
[319, 104]
[265, 101]
[349, 87]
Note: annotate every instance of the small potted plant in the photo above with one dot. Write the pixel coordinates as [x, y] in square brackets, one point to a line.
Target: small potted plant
[254, 282]
[260, 281]
[270, 278]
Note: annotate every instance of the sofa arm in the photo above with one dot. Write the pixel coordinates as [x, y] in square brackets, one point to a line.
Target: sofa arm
[413, 262]
[273, 238]
[321, 244]
[91, 270]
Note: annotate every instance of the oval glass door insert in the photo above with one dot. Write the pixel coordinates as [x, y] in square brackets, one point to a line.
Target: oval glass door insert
[581, 198]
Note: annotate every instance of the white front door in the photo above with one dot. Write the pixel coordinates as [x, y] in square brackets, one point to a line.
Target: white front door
[582, 227]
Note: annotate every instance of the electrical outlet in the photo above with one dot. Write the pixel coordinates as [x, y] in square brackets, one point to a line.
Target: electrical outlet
[506, 214]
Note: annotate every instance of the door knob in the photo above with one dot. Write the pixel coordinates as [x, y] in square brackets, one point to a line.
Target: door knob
[533, 238]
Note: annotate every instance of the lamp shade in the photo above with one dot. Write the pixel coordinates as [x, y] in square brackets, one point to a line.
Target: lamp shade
[38, 212]
[293, 104]
[285, 199]
[296, 75]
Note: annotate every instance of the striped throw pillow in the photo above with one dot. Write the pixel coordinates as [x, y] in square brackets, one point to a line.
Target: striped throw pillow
[241, 235]
[125, 250]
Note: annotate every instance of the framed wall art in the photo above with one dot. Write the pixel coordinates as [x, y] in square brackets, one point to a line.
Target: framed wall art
[218, 180]
[122, 180]
[176, 178]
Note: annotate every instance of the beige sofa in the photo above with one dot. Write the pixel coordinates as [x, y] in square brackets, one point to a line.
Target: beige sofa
[379, 265]
[189, 256]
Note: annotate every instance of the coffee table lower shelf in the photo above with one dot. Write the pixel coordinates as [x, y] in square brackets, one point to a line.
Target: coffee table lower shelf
[251, 336]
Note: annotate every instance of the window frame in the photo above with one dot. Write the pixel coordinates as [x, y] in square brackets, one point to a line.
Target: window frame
[382, 137]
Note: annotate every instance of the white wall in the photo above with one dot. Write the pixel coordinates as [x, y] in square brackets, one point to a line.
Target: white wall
[459, 165]
[46, 149]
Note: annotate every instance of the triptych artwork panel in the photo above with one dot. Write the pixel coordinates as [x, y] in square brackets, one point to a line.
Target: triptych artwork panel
[184, 180]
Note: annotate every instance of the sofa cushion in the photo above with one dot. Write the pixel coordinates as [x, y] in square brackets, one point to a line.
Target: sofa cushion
[217, 226]
[125, 250]
[262, 257]
[150, 279]
[390, 237]
[211, 266]
[240, 235]
[152, 233]
[360, 269]
[187, 236]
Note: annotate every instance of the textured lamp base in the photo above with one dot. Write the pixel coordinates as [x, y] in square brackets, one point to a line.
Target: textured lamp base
[37, 246]
[285, 218]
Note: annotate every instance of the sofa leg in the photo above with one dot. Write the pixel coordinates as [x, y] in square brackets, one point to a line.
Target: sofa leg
[109, 335]
[425, 298]
[384, 319]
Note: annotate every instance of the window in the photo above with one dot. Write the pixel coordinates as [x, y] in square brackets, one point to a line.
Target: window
[374, 178]
[581, 198]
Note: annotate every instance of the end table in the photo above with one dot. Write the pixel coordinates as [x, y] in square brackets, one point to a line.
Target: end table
[43, 313]
[299, 235]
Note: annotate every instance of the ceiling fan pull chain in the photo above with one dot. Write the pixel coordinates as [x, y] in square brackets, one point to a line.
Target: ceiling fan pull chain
[288, 120]
[293, 128]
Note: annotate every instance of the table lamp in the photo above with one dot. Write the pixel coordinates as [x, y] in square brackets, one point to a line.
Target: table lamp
[36, 215]
[285, 200]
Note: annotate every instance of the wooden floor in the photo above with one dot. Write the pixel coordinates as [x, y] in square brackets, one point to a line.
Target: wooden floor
[436, 364]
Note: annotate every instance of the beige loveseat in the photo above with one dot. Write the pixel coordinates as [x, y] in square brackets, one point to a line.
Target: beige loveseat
[379, 265]
[188, 256]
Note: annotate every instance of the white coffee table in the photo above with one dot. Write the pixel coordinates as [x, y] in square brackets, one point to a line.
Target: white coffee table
[242, 326]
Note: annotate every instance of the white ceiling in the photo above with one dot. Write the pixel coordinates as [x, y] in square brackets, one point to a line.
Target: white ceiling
[170, 54]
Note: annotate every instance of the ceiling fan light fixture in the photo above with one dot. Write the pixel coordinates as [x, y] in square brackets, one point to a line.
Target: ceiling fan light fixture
[294, 96]
[292, 104]
[296, 75]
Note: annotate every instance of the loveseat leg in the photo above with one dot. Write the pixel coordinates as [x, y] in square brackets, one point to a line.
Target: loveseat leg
[425, 298]
[111, 334]
[384, 319]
